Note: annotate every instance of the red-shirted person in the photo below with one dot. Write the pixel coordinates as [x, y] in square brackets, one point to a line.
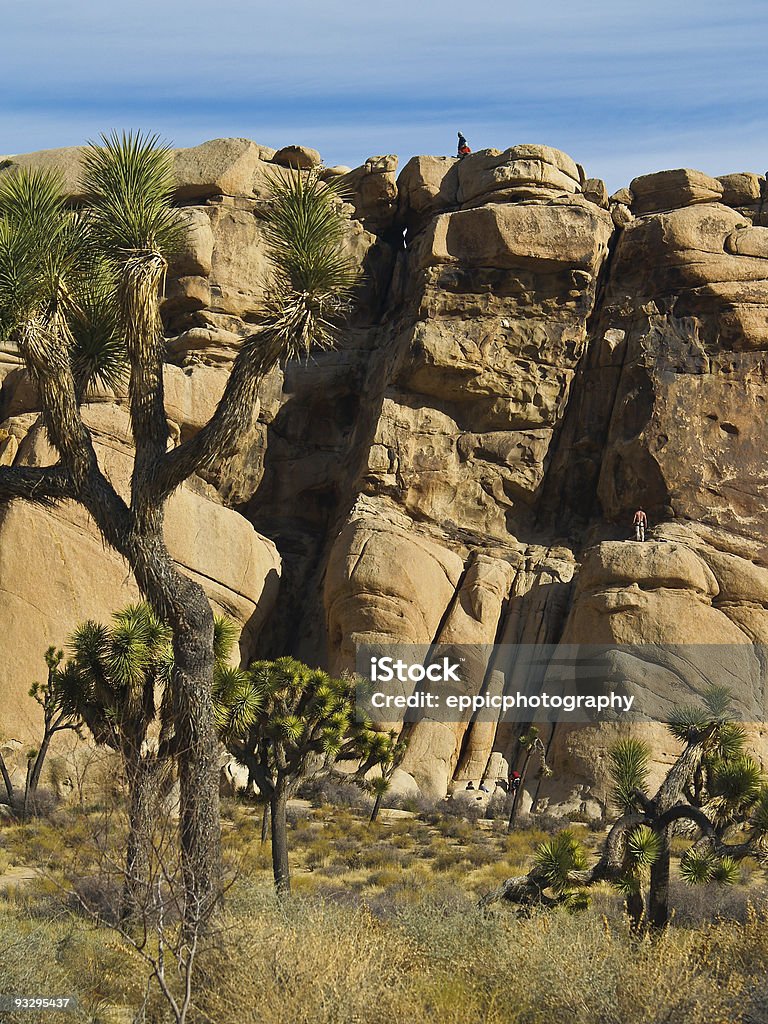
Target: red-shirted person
[463, 149]
[640, 523]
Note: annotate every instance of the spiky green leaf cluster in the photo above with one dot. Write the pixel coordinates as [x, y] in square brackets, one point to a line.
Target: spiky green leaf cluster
[235, 701]
[576, 900]
[714, 713]
[758, 818]
[226, 634]
[557, 857]
[728, 742]
[628, 767]
[128, 183]
[120, 667]
[295, 712]
[687, 720]
[529, 738]
[303, 706]
[643, 847]
[735, 783]
[57, 296]
[40, 245]
[315, 275]
[697, 867]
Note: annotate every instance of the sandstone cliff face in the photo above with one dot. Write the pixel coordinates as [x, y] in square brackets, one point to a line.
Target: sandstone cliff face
[530, 360]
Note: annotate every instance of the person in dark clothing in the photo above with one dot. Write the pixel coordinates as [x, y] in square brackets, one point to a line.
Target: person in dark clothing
[463, 149]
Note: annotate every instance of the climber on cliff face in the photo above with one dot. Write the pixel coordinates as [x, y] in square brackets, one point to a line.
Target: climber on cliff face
[640, 523]
[463, 149]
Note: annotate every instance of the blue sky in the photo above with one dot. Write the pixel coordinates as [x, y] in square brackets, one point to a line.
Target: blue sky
[624, 87]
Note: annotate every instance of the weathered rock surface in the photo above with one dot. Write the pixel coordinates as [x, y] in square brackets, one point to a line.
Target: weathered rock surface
[301, 158]
[669, 190]
[536, 361]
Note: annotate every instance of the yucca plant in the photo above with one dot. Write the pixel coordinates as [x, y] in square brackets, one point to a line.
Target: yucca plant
[714, 786]
[383, 752]
[557, 858]
[79, 295]
[629, 773]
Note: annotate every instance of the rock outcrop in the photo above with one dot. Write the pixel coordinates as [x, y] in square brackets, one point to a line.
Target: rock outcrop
[530, 360]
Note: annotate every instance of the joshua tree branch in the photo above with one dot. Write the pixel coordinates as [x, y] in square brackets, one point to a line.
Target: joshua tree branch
[218, 438]
[680, 775]
[40, 485]
[44, 349]
[140, 282]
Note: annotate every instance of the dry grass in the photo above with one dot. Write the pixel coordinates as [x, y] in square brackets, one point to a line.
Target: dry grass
[436, 960]
[384, 927]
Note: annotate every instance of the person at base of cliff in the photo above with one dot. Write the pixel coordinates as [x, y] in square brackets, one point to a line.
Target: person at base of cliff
[514, 781]
[463, 149]
[640, 523]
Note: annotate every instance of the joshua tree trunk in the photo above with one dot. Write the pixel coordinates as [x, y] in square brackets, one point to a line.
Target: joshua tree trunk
[280, 866]
[183, 604]
[376, 808]
[265, 822]
[142, 778]
[635, 908]
[516, 800]
[6, 780]
[34, 771]
[37, 765]
[658, 903]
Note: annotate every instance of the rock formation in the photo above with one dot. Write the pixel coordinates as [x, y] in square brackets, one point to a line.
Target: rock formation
[530, 359]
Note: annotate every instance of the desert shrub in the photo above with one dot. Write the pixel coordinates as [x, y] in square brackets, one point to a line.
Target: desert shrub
[319, 853]
[456, 828]
[450, 858]
[294, 815]
[381, 855]
[327, 790]
[385, 877]
[482, 854]
[697, 906]
[448, 810]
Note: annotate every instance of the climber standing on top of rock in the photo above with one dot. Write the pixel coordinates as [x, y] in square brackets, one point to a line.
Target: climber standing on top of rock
[640, 523]
[463, 149]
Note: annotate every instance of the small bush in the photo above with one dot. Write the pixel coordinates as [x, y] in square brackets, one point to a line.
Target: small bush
[326, 790]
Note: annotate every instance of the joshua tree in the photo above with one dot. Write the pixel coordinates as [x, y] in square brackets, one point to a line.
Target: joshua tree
[49, 259]
[120, 685]
[56, 698]
[714, 789]
[289, 721]
[385, 752]
[532, 744]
